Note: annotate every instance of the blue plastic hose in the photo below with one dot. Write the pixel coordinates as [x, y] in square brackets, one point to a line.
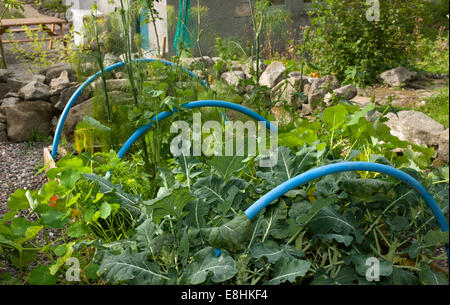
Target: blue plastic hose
[313, 174]
[191, 105]
[91, 79]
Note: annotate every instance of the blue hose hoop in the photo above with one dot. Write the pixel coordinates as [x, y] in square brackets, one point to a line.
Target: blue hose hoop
[313, 174]
[191, 105]
[91, 79]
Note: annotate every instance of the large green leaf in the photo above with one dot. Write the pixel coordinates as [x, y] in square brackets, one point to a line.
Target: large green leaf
[316, 207]
[269, 249]
[18, 200]
[225, 167]
[172, 204]
[41, 276]
[232, 236]
[289, 270]
[54, 219]
[206, 263]
[288, 165]
[130, 266]
[329, 219]
[431, 277]
[434, 238]
[215, 190]
[77, 230]
[187, 166]
[343, 239]
[360, 260]
[404, 277]
[198, 209]
[147, 238]
[334, 116]
[145, 234]
[129, 202]
[365, 188]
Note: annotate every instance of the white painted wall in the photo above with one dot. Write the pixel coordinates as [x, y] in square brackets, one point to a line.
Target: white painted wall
[81, 8]
[161, 27]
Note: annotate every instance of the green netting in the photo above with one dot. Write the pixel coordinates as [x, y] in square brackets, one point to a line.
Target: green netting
[185, 27]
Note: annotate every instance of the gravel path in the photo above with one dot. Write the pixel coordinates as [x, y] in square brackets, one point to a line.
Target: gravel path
[19, 163]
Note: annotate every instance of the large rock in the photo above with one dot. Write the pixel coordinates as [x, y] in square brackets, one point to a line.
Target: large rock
[39, 78]
[29, 118]
[4, 75]
[77, 112]
[110, 59]
[281, 115]
[319, 88]
[55, 71]
[193, 63]
[10, 101]
[347, 92]
[273, 74]
[287, 90]
[35, 91]
[233, 78]
[443, 151]
[60, 83]
[398, 76]
[3, 136]
[67, 93]
[75, 116]
[415, 127]
[113, 84]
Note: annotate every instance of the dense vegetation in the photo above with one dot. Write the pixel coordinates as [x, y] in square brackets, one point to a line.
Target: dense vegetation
[152, 218]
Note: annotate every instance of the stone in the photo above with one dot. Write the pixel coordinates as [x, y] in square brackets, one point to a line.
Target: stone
[443, 151]
[77, 112]
[3, 136]
[28, 118]
[281, 115]
[4, 75]
[415, 127]
[35, 91]
[273, 74]
[398, 76]
[2, 118]
[296, 77]
[10, 101]
[110, 59]
[319, 88]
[306, 109]
[286, 91]
[2, 126]
[16, 84]
[361, 101]
[60, 83]
[75, 116]
[39, 78]
[119, 75]
[347, 92]
[67, 93]
[113, 84]
[12, 94]
[233, 78]
[206, 60]
[236, 66]
[56, 70]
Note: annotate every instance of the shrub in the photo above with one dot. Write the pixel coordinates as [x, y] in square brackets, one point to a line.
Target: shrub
[346, 44]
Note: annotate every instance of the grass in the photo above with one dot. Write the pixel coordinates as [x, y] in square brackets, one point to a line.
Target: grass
[55, 5]
[437, 106]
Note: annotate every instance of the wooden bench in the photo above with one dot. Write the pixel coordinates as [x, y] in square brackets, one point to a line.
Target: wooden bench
[16, 26]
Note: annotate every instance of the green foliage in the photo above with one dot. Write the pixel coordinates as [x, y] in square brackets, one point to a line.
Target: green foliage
[346, 44]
